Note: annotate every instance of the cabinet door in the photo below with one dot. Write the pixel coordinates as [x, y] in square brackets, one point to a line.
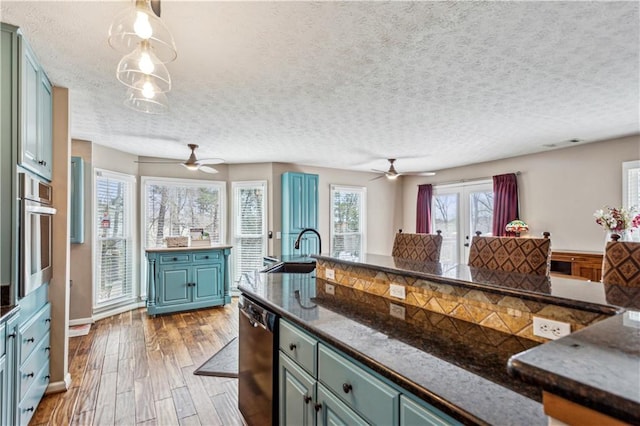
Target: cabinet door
[76, 194]
[412, 413]
[334, 412]
[297, 394]
[45, 121]
[311, 201]
[29, 83]
[3, 390]
[208, 282]
[174, 285]
[11, 380]
[296, 207]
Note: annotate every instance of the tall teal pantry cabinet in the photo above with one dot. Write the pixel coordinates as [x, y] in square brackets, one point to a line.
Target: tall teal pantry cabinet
[299, 211]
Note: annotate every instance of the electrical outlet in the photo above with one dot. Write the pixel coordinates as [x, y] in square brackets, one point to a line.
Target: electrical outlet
[329, 289]
[330, 274]
[397, 311]
[550, 329]
[398, 291]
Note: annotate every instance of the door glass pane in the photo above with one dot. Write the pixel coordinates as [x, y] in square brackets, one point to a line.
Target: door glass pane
[249, 245]
[445, 216]
[347, 221]
[481, 212]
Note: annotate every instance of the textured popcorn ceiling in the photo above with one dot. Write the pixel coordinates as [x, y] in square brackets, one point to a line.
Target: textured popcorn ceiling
[348, 84]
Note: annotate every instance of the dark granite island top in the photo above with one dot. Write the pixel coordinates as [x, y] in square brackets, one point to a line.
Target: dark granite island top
[597, 367]
[409, 356]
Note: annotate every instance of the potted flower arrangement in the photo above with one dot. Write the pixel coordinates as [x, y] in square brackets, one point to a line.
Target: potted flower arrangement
[617, 221]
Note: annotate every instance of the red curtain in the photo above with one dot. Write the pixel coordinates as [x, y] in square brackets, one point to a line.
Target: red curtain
[423, 216]
[505, 204]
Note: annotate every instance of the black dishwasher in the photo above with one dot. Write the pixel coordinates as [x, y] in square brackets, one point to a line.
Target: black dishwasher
[257, 375]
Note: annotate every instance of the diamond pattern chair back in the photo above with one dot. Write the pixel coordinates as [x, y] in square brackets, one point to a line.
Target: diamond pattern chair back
[512, 254]
[621, 264]
[418, 247]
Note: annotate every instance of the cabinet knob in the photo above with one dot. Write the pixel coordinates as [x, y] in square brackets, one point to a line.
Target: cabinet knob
[42, 163]
[29, 375]
[346, 387]
[47, 349]
[11, 336]
[317, 407]
[307, 399]
[30, 340]
[47, 377]
[206, 257]
[175, 258]
[292, 346]
[47, 320]
[28, 409]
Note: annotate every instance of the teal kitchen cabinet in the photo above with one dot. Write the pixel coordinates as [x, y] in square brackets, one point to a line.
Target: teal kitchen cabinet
[35, 99]
[76, 193]
[187, 278]
[9, 380]
[299, 211]
[315, 376]
[3, 375]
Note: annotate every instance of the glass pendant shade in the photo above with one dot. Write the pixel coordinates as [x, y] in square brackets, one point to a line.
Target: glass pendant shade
[140, 64]
[138, 23]
[147, 101]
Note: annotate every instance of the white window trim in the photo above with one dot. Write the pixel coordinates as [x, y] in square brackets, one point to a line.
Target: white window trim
[144, 182]
[101, 308]
[234, 221]
[363, 220]
[626, 167]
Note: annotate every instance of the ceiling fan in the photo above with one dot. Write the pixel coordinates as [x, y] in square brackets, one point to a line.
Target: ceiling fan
[392, 173]
[192, 163]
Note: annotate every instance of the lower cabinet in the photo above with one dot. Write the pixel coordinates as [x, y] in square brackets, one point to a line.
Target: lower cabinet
[336, 390]
[180, 280]
[9, 400]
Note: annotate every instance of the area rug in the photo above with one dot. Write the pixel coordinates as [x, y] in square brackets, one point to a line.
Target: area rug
[223, 364]
[79, 330]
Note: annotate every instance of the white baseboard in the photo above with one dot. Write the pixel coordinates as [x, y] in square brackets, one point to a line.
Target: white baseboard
[81, 321]
[61, 386]
[118, 310]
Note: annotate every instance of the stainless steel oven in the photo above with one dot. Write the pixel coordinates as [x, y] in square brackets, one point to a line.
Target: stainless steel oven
[36, 220]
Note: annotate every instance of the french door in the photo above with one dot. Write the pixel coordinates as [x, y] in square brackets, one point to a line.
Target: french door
[459, 211]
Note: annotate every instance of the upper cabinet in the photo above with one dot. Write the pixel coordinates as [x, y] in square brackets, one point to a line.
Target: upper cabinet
[76, 190]
[35, 124]
[299, 211]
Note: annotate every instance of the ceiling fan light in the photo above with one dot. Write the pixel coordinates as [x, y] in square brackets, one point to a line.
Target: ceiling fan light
[138, 23]
[143, 63]
[192, 167]
[140, 101]
[392, 177]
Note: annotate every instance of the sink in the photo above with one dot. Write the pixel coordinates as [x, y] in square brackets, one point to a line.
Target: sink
[292, 268]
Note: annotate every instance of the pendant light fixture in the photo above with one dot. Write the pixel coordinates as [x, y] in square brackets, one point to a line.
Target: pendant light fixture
[140, 64]
[147, 101]
[138, 23]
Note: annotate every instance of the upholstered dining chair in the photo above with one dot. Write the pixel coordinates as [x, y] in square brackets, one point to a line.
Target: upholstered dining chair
[621, 264]
[512, 254]
[418, 247]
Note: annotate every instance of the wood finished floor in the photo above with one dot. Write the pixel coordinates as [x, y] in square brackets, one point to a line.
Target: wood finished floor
[132, 369]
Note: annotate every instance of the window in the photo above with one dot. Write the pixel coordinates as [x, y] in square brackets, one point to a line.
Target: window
[348, 224]
[114, 222]
[631, 189]
[249, 228]
[173, 206]
[459, 211]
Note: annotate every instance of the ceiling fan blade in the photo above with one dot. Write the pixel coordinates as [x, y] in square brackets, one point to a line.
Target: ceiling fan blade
[376, 178]
[207, 169]
[155, 6]
[210, 161]
[379, 171]
[419, 173]
[156, 162]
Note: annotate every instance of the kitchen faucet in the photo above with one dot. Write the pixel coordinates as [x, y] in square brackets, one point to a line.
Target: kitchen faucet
[296, 245]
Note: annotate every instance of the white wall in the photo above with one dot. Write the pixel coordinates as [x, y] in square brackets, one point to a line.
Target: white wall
[559, 189]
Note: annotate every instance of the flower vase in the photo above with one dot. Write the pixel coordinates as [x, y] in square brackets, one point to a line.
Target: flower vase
[617, 236]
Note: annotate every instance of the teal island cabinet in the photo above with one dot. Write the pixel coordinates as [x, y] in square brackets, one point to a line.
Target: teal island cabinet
[184, 278]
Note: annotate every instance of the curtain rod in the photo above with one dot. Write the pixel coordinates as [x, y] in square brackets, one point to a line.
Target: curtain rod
[518, 173]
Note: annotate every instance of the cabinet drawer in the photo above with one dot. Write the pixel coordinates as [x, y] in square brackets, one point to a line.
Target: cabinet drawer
[29, 370]
[204, 257]
[30, 402]
[2, 339]
[33, 332]
[175, 258]
[364, 393]
[299, 346]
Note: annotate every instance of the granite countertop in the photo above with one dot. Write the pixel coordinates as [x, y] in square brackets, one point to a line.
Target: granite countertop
[7, 311]
[192, 248]
[463, 376]
[599, 366]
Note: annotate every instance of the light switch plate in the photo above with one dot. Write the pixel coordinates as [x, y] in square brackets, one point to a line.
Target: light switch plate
[329, 289]
[330, 274]
[398, 291]
[397, 311]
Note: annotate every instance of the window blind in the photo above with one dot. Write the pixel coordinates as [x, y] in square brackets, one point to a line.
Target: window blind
[250, 220]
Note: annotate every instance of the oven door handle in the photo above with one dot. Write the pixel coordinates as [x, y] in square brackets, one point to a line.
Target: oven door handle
[253, 322]
[30, 208]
